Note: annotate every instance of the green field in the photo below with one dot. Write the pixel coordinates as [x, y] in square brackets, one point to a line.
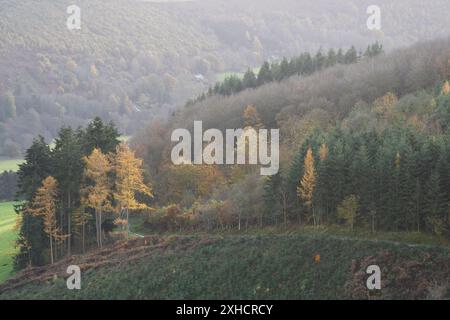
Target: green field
[7, 237]
[220, 77]
[10, 164]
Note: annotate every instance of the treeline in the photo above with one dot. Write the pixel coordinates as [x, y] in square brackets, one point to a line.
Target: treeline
[383, 167]
[75, 193]
[305, 64]
[396, 180]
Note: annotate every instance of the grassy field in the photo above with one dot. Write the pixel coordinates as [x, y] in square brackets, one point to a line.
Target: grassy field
[9, 164]
[262, 267]
[220, 77]
[7, 237]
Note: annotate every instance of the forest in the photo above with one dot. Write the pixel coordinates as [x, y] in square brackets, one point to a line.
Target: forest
[75, 193]
[365, 145]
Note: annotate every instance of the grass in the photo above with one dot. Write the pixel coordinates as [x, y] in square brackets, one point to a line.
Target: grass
[9, 164]
[222, 76]
[334, 231]
[7, 238]
[273, 263]
[261, 267]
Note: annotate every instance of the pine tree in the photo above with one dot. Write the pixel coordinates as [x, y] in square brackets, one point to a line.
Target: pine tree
[99, 135]
[68, 170]
[265, 74]
[80, 220]
[348, 210]
[44, 204]
[32, 239]
[249, 80]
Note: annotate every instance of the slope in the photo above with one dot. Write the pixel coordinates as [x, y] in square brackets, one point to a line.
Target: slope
[263, 267]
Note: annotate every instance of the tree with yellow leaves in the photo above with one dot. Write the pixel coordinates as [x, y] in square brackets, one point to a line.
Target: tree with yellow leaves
[384, 106]
[129, 181]
[251, 118]
[98, 187]
[446, 88]
[323, 152]
[44, 204]
[305, 189]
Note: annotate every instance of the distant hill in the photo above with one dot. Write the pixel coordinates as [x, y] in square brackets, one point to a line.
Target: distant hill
[136, 60]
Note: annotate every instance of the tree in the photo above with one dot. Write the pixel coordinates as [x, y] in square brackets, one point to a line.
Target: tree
[80, 220]
[68, 170]
[265, 74]
[249, 80]
[275, 198]
[44, 204]
[32, 239]
[446, 88]
[98, 189]
[351, 56]
[251, 118]
[129, 181]
[307, 184]
[348, 210]
[7, 106]
[99, 135]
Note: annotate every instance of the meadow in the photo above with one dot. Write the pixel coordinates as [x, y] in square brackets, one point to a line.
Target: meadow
[7, 238]
[9, 164]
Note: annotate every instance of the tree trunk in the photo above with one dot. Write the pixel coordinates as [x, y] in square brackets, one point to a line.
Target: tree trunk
[61, 215]
[128, 223]
[51, 249]
[97, 229]
[82, 237]
[285, 210]
[100, 228]
[239, 220]
[69, 236]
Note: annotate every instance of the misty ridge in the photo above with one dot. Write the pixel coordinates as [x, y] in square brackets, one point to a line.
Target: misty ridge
[124, 131]
[135, 61]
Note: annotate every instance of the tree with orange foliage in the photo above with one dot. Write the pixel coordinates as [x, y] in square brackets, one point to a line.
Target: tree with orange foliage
[307, 184]
[446, 88]
[129, 181]
[251, 118]
[96, 193]
[44, 204]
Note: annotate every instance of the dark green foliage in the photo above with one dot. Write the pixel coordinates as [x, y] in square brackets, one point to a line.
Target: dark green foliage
[278, 71]
[32, 240]
[99, 135]
[65, 163]
[400, 177]
[8, 185]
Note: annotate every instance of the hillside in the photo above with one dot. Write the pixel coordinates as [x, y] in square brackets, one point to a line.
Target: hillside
[281, 266]
[133, 61]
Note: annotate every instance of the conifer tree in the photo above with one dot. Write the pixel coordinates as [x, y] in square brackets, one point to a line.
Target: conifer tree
[129, 181]
[96, 193]
[44, 204]
[305, 189]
